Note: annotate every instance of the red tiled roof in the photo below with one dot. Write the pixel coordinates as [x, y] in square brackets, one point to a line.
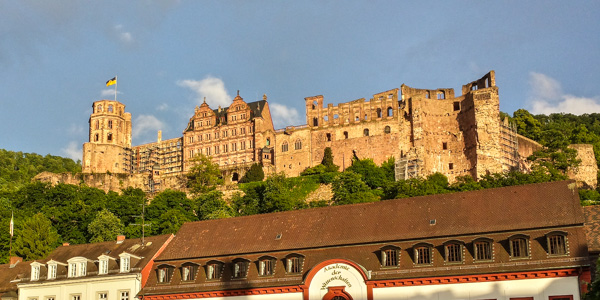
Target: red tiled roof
[592, 227]
[9, 273]
[491, 210]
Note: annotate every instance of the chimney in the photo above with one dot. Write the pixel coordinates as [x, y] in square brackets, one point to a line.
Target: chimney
[120, 238]
[65, 244]
[15, 260]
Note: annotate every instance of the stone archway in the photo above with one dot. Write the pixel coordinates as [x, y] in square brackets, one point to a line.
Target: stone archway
[235, 177]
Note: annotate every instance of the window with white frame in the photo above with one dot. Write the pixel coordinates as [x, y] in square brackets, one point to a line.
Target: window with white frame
[125, 264]
[82, 270]
[35, 272]
[72, 270]
[51, 271]
[124, 295]
[103, 266]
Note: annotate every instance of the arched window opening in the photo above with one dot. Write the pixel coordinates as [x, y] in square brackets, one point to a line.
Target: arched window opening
[366, 132]
[390, 112]
[441, 95]
[314, 105]
[110, 108]
[365, 117]
[315, 122]
[284, 147]
[345, 135]
[99, 108]
[268, 141]
[298, 144]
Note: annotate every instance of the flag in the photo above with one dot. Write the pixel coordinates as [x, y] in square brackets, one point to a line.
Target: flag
[111, 81]
[12, 225]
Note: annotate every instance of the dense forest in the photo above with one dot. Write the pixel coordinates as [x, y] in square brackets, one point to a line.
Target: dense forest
[47, 215]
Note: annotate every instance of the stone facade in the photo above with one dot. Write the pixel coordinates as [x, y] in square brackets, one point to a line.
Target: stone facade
[425, 130]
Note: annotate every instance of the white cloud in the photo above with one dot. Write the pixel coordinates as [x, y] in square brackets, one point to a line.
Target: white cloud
[547, 97]
[123, 36]
[73, 151]
[109, 93]
[146, 123]
[210, 87]
[284, 116]
[162, 107]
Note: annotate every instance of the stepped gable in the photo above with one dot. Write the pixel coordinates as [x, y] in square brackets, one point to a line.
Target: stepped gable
[477, 212]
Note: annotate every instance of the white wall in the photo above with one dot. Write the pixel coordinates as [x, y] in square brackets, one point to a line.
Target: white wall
[540, 289]
[86, 287]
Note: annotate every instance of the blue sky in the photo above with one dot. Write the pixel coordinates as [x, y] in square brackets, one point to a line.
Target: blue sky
[55, 57]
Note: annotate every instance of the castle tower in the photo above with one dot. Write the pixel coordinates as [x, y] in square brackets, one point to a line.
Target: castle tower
[109, 146]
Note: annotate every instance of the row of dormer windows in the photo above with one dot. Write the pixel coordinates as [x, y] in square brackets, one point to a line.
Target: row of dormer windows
[239, 268]
[483, 250]
[78, 267]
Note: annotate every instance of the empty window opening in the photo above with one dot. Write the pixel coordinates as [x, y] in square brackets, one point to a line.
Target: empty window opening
[365, 117]
[326, 118]
[336, 116]
[450, 166]
[366, 132]
[390, 112]
[110, 108]
[427, 95]
[314, 105]
[96, 137]
[456, 106]
[346, 135]
[268, 141]
[109, 137]
[445, 146]
[357, 119]
[379, 113]
[235, 177]
[315, 122]
[328, 137]
[474, 87]
[441, 95]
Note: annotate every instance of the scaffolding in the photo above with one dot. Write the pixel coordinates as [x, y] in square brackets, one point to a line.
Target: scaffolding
[509, 144]
[407, 168]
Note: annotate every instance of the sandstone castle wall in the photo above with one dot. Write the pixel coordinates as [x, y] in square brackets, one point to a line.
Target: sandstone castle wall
[425, 130]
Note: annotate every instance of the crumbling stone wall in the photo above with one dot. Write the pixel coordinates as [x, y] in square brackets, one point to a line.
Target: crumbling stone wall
[586, 174]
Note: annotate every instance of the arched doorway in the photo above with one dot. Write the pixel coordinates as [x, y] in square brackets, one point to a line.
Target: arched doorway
[337, 293]
[235, 177]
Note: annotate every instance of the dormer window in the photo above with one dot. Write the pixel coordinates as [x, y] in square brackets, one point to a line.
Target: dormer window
[453, 252]
[35, 271]
[389, 256]
[103, 266]
[483, 250]
[77, 266]
[519, 246]
[266, 266]
[165, 272]
[125, 264]
[213, 270]
[188, 272]
[423, 254]
[240, 269]
[557, 243]
[52, 271]
[294, 264]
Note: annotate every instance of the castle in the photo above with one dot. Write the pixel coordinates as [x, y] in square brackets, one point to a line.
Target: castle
[425, 130]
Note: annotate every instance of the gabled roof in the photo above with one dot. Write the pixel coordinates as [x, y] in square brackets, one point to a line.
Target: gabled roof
[592, 227]
[111, 248]
[9, 273]
[485, 211]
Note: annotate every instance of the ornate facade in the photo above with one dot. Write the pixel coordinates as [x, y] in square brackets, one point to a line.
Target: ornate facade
[424, 130]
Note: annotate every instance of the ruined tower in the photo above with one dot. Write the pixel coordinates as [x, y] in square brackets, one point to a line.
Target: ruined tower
[109, 146]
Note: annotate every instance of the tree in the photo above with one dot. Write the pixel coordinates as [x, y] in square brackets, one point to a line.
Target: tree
[255, 173]
[105, 227]
[370, 173]
[212, 206]
[328, 161]
[37, 238]
[278, 195]
[204, 176]
[348, 188]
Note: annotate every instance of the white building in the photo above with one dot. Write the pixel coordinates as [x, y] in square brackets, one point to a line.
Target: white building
[99, 271]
